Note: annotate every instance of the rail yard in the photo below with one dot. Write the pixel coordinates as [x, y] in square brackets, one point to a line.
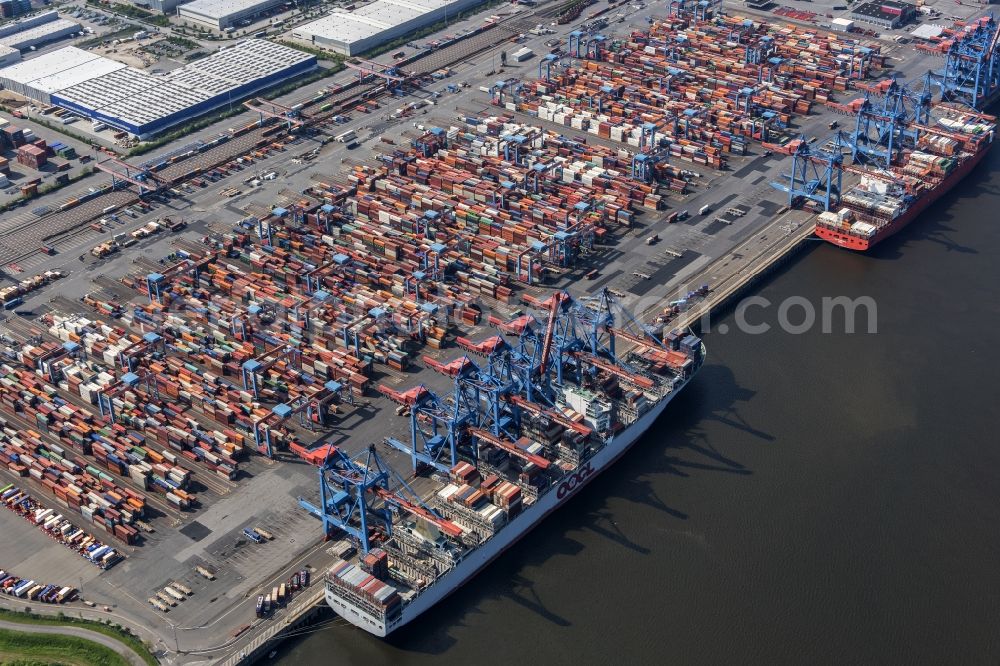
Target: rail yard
[216, 320]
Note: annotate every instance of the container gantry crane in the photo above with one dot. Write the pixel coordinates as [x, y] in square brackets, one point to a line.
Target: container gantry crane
[144, 178]
[971, 73]
[491, 401]
[355, 498]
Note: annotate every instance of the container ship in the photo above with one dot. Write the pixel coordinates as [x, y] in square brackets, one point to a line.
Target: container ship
[886, 200]
[566, 415]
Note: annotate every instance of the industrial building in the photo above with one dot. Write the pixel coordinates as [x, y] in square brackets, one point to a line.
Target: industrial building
[39, 77]
[222, 14]
[888, 14]
[9, 56]
[842, 24]
[369, 26]
[12, 8]
[41, 34]
[28, 22]
[163, 6]
[143, 104]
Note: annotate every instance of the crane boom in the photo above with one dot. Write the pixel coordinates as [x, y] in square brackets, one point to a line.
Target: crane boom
[446, 526]
[550, 330]
[509, 447]
[450, 369]
[993, 43]
[639, 340]
[637, 380]
[551, 414]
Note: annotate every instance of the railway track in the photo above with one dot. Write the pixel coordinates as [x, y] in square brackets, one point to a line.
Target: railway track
[23, 238]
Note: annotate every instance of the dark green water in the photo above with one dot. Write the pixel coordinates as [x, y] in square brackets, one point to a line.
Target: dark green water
[809, 499]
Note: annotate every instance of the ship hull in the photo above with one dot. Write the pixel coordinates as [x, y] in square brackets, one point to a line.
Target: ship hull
[851, 242]
[479, 558]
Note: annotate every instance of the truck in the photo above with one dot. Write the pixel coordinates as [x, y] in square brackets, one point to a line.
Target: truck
[260, 606]
[275, 599]
[174, 593]
[347, 137]
[183, 588]
[202, 571]
[253, 536]
[104, 249]
[704, 209]
[523, 54]
[281, 593]
[264, 533]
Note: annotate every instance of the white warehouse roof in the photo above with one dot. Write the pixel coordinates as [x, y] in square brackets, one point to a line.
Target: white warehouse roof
[8, 55]
[220, 9]
[143, 102]
[39, 33]
[76, 75]
[48, 64]
[369, 20]
[928, 31]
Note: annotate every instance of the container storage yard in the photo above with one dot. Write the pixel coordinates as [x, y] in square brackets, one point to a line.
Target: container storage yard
[443, 328]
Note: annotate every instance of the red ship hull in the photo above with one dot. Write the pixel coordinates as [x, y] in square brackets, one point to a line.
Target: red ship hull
[852, 242]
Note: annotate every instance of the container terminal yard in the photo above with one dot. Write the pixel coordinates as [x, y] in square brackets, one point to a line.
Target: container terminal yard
[305, 280]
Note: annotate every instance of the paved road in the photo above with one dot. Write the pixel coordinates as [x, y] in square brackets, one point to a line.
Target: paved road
[79, 632]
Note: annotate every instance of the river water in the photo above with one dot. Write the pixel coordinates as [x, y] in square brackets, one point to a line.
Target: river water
[809, 499]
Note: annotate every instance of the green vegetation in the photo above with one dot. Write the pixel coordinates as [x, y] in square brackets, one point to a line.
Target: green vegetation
[236, 109]
[133, 12]
[183, 43]
[119, 633]
[97, 40]
[319, 53]
[429, 30]
[49, 648]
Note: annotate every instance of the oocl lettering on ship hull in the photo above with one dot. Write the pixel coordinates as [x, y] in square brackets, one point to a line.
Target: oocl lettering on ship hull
[574, 481]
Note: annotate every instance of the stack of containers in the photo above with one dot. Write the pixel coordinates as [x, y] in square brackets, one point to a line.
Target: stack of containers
[701, 90]
[363, 587]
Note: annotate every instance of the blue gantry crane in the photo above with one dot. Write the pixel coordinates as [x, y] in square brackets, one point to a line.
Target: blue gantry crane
[971, 72]
[816, 174]
[356, 498]
[513, 389]
[490, 399]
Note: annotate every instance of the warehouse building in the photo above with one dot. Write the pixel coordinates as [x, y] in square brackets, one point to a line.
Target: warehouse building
[144, 104]
[41, 34]
[382, 21]
[9, 56]
[222, 14]
[12, 8]
[888, 14]
[28, 22]
[164, 6]
[39, 77]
